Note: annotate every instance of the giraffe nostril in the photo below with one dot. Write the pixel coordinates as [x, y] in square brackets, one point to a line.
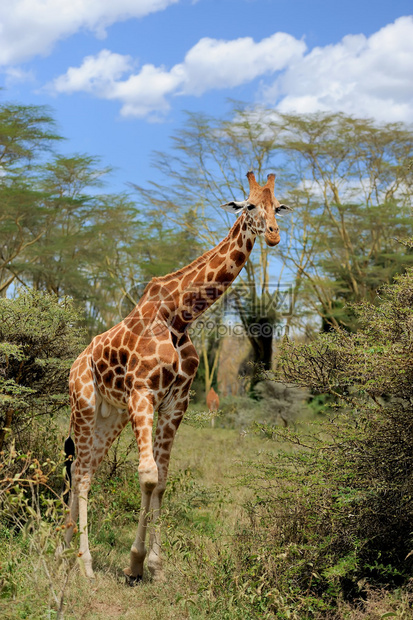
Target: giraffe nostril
[270, 228]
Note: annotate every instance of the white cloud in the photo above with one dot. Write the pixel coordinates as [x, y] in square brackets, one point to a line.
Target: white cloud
[363, 76]
[96, 75]
[31, 27]
[360, 76]
[14, 75]
[210, 64]
[224, 64]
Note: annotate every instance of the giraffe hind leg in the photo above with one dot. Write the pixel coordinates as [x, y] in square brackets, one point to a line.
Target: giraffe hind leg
[93, 440]
[69, 456]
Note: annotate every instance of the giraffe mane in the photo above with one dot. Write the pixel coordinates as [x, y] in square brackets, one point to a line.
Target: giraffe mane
[198, 261]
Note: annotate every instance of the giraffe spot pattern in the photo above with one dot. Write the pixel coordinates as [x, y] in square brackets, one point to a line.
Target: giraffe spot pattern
[147, 361]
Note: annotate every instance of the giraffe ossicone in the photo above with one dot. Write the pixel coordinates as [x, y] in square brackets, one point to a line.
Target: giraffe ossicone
[146, 363]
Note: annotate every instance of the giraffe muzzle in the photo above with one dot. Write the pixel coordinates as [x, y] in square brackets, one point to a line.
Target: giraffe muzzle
[272, 236]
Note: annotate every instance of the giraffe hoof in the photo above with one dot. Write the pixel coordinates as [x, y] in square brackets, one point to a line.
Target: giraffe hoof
[131, 581]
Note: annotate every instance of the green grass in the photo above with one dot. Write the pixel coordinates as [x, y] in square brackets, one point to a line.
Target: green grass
[208, 572]
[202, 511]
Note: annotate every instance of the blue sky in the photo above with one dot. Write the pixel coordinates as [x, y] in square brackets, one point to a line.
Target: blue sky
[119, 74]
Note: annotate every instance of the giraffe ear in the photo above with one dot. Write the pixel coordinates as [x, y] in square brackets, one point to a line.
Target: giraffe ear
[282, 210]
[236, 207]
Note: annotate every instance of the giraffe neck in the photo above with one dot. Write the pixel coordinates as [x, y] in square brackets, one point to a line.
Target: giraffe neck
[182, 296]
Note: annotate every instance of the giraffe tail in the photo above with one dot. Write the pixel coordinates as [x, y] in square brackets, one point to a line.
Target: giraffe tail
[69, 456]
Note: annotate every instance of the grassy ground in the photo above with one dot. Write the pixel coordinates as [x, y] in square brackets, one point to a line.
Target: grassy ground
[210, 573]
[203, 512]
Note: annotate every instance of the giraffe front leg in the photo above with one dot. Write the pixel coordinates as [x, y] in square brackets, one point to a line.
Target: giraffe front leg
[164, 437]
[141, 416]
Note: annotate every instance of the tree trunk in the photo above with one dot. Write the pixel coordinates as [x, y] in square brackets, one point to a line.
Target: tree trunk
[260, 335]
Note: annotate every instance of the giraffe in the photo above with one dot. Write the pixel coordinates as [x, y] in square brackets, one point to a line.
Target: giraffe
[146, 363]
[212, 401]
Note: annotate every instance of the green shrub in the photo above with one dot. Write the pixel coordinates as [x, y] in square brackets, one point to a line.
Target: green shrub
[333, 517]
[39, 338]
[239, 412]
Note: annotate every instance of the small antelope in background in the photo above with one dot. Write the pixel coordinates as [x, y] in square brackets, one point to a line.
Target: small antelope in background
[212, 401]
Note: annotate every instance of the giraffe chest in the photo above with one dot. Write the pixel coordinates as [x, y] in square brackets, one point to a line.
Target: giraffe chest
[153, 366]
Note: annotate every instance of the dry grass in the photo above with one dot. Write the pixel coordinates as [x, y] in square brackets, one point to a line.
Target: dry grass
[204, 464]
[203, 511]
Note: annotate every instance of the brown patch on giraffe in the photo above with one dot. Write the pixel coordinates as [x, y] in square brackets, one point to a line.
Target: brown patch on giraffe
[238, 257]
[249, 245]
[168, 434]
[152, 290]
[222, 274]
[200, 305]
[244, 226]
[224, 249]
[119, 384]
[187, 281]
[147, 309]
[236, 228]
[123, 356]
[136, 324]
[88, 390]
[128, 334]
[146, 366]
[108, 378]
[189, 365]
[178, 323]
[116, 341]
[215, 262]
[114, 359]
[201, 274]
[170, 287]
[167, 377]
[81, 403]
[180, 379]
[138, 420]
[176, 422]
[102, 366]
[239, 242]
[154, 379]
[129, 381]
[148, 345]
[187, 300]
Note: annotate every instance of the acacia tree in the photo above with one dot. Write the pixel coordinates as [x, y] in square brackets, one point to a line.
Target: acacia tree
[27, 134]
[91, 244]
[349, 182]
[208, 169]
[351, 185]
[58, 232]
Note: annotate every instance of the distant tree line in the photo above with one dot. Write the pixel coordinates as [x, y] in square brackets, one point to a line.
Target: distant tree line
[349, 182]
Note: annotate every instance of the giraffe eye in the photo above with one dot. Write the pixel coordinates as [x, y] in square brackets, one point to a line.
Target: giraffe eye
[251, 207]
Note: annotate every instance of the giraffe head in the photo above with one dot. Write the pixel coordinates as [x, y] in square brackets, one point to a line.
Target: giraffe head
[260, 209]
